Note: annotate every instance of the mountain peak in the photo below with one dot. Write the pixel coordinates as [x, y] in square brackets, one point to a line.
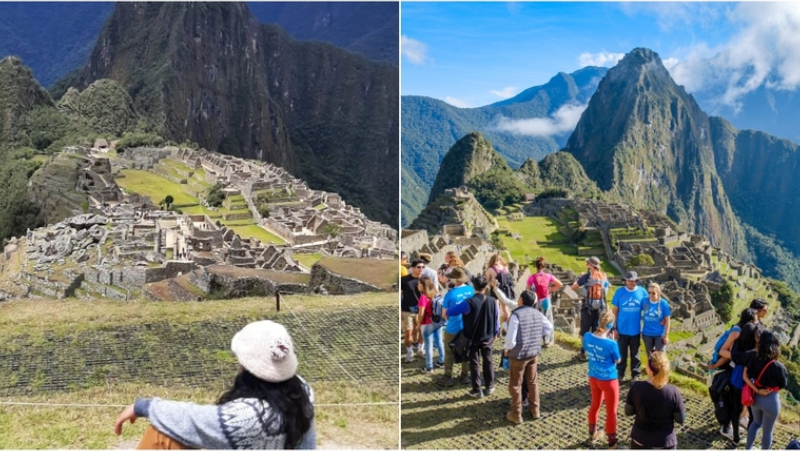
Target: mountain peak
[470, 156]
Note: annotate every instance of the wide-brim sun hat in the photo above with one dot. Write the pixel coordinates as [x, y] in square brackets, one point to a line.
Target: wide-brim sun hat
[265, 349]
[459, 275]
[594, 261]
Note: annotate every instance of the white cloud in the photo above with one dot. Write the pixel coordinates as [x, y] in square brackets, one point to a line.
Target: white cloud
[456, 102]
[764, 50]
[671, 62]
[415, 51]
[505, 93]
[562, 121]
[602, 59]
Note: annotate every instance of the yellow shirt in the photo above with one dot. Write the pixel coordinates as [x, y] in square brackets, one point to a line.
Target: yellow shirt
[403, 271]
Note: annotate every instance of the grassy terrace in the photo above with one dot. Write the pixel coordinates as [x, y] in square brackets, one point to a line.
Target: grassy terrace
[545, 231]
[108, 353]
[307, 260]
[154, 186]
[257, 232]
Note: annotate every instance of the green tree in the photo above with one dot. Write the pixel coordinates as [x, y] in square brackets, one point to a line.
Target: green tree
[215, 196]
[641, 260]
[722, 300]
[263, 209]
[168, 201]
[330, 229]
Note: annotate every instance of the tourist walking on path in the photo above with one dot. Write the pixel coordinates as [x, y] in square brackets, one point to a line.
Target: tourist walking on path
[480, 314]
[627, 305]
[431, 331]
[268, 406]
[594, 302]
[729, 395]
[460, 293]
[656, 320]
[526, 327]
[769, 377]
[603, 355]
[409, 306]
[657, 406]
[542, 282]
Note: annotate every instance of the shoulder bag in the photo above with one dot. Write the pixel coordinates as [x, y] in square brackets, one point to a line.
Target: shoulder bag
[748, 397]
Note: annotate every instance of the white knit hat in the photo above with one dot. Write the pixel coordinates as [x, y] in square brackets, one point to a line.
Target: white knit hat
[265, 349]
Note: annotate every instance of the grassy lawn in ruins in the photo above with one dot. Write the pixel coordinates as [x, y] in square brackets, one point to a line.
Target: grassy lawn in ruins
[380, 273]
[257, 232]
[307, 260]
[544, 229]
[92, 344]
[154, 186]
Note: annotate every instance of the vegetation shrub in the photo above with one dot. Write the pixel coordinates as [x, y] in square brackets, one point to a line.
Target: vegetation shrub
[132, 140]
[215, 196]
[722, 300]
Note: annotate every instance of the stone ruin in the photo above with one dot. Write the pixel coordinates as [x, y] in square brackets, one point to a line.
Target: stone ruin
[128, 242]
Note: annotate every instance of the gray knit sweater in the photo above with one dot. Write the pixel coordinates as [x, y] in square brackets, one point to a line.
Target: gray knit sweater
[238, 424]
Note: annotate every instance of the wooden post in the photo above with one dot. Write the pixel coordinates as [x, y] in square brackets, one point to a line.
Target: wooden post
[278, 300]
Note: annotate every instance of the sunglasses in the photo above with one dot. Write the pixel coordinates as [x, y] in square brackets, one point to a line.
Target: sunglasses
[420, 267]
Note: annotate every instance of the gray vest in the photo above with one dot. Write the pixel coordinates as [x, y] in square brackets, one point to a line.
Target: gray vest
[529, 334]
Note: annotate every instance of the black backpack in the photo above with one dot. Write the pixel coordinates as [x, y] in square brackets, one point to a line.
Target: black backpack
[505, 283]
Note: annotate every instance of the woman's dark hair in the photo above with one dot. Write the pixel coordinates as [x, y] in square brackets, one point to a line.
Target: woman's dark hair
[758, 304]
[748, 316]
[540, 264]
[290, 409]
[768, 346]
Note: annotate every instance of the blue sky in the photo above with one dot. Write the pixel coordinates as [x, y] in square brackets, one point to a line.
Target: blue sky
[474, 54]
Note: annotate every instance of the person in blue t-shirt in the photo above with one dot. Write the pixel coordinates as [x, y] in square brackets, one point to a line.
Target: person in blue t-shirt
[628, 303]
[455, 296]
[656, 320]
[603, 355]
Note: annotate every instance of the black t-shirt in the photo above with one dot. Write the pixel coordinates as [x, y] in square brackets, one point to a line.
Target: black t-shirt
[654, 426]
[775, 376]
[409, 290]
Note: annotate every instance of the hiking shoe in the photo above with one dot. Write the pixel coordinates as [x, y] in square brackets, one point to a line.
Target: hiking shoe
[426, 370]
[488, 391]
[514, 419]
[525, 403]
[409, 356]
[612, 441]
[421, 352]
[476, 393]
[465, 379]
[446, 381]
[438, 364]
[744, 421]
[726, 432]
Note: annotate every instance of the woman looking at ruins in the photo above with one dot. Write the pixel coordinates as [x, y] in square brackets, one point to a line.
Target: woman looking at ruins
[656, 321]
[769, 376]
[431, 333]
[603, 354]
[496, 266]
[542, 282]
[657, 406]
[268, 407]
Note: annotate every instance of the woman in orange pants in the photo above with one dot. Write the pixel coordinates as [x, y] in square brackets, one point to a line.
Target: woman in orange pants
[603, 355]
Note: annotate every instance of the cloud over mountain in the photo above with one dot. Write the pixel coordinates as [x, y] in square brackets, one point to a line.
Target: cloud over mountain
[559, 123]
[415, 51]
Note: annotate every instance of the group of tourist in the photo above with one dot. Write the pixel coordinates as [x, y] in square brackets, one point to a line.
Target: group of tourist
[747, 356]
[479, 307]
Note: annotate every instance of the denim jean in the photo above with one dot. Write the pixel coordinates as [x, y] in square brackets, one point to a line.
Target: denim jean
[432, 336]
[549, 315]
